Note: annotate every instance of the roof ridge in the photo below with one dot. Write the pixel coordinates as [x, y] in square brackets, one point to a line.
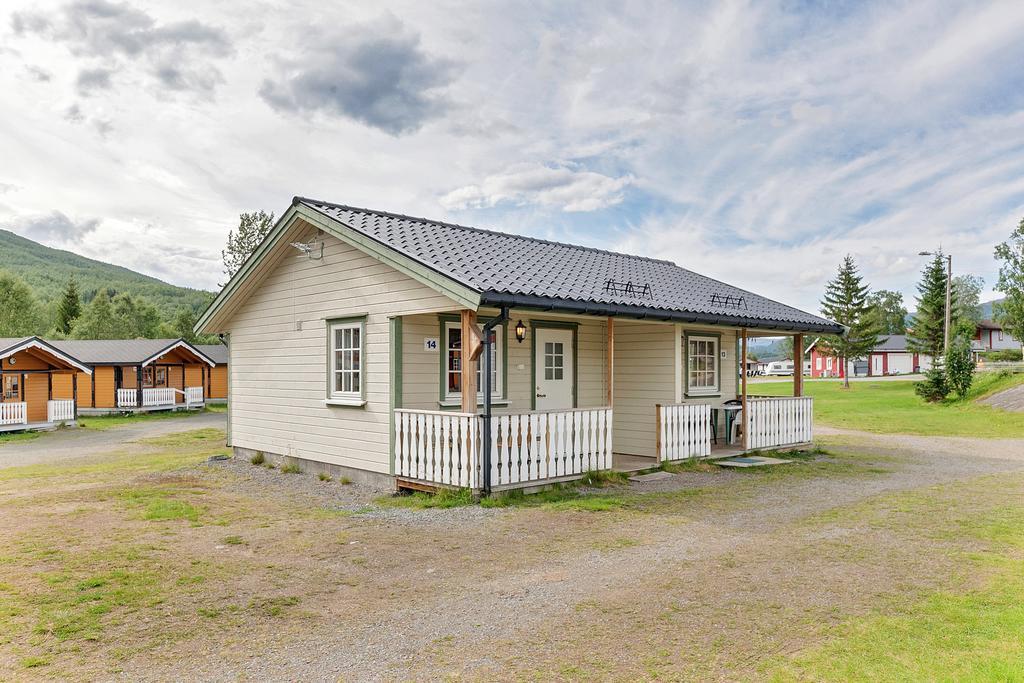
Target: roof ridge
[487, 231]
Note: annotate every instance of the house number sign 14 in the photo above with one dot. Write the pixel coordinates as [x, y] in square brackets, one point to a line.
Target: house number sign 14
[430, 344]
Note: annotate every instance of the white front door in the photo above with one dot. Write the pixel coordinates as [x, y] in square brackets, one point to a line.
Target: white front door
[876, 365]
[554, 368]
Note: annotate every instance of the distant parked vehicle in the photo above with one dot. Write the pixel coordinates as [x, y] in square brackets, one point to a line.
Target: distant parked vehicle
[779, 368]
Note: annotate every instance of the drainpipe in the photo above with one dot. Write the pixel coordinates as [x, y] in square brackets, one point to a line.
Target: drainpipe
[488, 326]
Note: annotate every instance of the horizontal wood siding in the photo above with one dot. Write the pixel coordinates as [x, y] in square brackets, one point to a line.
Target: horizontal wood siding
[103, 376]
[84, 390]
[644, 377]
[218, 381]
[421, 369]
[279, 359]
[37, 390]
[62, 385]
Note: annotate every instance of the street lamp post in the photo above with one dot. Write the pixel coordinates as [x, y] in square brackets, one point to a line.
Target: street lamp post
[949, 297]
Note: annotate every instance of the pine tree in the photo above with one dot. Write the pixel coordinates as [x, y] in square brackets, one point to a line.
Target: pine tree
[69, 308]
[927, 332]
[846, 302]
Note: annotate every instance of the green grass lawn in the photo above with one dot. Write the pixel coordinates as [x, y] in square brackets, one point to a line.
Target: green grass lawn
[892, 407]
[103, 422]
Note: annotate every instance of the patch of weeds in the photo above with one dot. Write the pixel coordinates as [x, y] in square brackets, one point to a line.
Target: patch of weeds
[258, 458]
[158, 504]
[688, 465]
[558, 497]
[208, 612]
[274, 607]
[323, 476]
[233, 540]
[344, 480]
[270, 465]
[615, 544]
[35, 661]
[602, 478]
[11, 437]
[291, 468]
[445, 498]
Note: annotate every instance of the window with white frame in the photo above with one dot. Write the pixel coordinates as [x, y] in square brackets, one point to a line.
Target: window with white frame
[453, 362]
[346, 346]
[702, 364]
[817, 362]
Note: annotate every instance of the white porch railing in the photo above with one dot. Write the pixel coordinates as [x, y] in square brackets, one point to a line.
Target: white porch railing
[158, 397]
[774, 422]
[438, 447]
[151, 398]
[193, 396]
[684, 431]
[526, 448]
[532, 447]
[60, 410]
[13, 413]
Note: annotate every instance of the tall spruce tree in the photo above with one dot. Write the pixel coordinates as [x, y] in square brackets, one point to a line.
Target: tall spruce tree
[846, 302]
[69, 308]
[927, 330]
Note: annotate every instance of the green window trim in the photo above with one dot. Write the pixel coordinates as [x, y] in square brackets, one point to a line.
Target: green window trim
[444, 401]
[554, 325]
[698, 393]
[333, 398]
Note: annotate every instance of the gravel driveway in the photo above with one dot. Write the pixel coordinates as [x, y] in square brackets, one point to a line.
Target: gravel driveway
[500, 614]
[69, 444]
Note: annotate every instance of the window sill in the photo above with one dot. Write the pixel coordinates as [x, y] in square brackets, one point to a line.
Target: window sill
[345, 402]
[709, 394]
[479, 403]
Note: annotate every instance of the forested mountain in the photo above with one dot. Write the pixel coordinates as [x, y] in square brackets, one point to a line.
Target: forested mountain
[47, 271]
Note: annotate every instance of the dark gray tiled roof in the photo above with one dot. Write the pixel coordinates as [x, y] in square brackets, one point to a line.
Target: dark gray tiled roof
[218, 353]
[11, 342]
[514, 268]
[892, 342]
[108, 351]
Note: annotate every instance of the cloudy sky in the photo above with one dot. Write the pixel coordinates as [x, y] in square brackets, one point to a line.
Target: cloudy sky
[756, 142]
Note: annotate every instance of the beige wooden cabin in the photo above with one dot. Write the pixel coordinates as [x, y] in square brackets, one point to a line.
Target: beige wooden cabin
[346, 331]
[38, 385]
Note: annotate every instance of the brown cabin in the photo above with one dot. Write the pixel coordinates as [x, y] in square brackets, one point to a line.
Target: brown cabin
[39, 384]
[172, 373]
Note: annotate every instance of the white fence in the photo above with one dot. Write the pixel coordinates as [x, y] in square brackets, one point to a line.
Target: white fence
[193, 396]
[437, 447]
[532, 447]
[13, 413]
[151, 398]
[60, 410]
[526, 448]
[774, 422]
[684, 431]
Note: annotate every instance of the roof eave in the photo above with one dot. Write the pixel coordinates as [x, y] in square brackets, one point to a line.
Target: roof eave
[648, 313]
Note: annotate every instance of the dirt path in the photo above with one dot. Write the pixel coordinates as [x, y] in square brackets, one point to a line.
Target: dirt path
[523, 594]
[70, 444]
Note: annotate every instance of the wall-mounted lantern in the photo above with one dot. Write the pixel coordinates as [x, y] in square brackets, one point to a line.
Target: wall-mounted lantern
[520, 331]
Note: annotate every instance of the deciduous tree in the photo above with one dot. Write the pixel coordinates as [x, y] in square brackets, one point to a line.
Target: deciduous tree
[252, 228]
[1010, 312]
[888, 311]
[19, 311]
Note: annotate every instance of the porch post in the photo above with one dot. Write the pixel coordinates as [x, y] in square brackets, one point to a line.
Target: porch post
[74, 391]
[743, 397]
[610, 365]
[798, 365]
[468, 364]
[138, 385]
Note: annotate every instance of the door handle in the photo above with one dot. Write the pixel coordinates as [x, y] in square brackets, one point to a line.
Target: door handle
[542, 395]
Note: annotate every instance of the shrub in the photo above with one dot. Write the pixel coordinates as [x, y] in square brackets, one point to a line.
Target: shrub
[291, 468]
[1002, 356]
[934, 387]
[345, 480]
[323, 476]
[258, 459]
[960, 367]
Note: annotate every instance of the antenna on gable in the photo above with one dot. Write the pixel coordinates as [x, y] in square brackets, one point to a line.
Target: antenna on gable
[313, 249]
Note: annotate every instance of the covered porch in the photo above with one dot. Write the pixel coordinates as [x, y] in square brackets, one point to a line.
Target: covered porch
[536, 398]
[174, 379]
[38, 386]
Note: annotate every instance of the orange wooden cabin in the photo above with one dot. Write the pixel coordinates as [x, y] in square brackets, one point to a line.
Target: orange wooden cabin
[171, 374]
[39, 384]
[217, 378]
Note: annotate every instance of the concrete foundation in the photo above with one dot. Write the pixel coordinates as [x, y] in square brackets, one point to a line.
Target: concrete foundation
[384, 482]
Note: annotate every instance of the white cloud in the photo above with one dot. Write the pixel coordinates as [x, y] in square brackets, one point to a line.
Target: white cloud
[558, 187]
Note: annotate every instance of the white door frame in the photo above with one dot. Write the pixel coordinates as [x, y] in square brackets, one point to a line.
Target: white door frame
[541, 326]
